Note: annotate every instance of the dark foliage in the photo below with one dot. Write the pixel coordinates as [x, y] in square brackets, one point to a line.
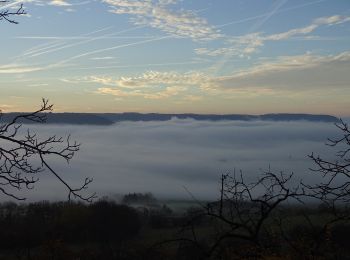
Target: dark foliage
[40, 227]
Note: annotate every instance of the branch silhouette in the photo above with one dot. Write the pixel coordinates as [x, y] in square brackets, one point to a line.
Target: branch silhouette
[8, 15]
[24, 156]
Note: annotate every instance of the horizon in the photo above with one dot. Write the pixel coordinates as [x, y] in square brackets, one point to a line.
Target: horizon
[174, 113]
[171, 56]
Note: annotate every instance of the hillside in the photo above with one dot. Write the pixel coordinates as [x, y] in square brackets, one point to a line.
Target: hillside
[111, 118]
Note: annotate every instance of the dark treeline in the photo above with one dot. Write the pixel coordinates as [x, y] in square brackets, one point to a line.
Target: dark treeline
[108, 230]
[41, 230]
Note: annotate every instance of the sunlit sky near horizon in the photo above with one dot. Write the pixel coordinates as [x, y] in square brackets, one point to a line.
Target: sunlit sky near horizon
[174, 56]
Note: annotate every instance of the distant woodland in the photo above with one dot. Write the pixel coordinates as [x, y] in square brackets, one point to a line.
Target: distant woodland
[111, 118]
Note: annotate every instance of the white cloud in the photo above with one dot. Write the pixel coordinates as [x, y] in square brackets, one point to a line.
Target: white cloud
[250, 43]
[151, 79]
[160, 94]
[284, 75]
[103, 58]
[330, 20]
[156, 13]
[150, 85]
[60, 3]
[17, 68]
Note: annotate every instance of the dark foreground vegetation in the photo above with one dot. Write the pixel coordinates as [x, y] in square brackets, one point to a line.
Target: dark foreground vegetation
[107, 230]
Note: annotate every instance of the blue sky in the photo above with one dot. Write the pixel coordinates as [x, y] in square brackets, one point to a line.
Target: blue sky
[215, 56]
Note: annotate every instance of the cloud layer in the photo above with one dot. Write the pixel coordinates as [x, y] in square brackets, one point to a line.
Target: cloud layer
[286, 74]
[165, 157]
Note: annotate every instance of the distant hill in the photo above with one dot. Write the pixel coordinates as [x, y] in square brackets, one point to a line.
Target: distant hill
[111, 118]
[66, 118]
[118, 117]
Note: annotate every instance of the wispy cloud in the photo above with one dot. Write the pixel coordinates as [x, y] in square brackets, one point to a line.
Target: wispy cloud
[330, 20]
[60, 3]
[247, 44]
[65, 3]
[165, 93]
[17, 68]
[149, 85]
[268, 13]
[157, 14]
[237, 46]
[152, 78]
[103, 58]
[286, 74]
[290, 73]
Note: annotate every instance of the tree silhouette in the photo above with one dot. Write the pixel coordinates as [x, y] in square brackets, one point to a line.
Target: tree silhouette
[24, 154]
[8, 15]
[335, 185]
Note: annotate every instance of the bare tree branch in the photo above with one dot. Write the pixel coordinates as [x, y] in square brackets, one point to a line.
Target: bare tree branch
[335, 185]
[8, 15]
[24, 156]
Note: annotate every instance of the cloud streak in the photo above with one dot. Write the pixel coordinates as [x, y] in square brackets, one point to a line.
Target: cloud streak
[250, 43]
[150, 85]
[59, 3]
[291, 73]
[18, 69]
[285, 74]
[157, 14]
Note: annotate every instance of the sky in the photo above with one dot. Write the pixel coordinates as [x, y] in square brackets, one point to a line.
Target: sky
[175, 56]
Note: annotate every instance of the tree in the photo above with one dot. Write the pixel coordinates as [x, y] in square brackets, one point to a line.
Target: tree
[241, 214]
[335, 185]
[24, 154]
[254, 219]
[8, 15]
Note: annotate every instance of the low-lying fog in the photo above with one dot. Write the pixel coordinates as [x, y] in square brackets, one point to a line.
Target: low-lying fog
[166, 158]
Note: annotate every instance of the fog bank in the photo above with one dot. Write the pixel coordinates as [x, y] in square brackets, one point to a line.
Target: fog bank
[166, 158]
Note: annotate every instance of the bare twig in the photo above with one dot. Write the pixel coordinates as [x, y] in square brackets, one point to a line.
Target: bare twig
[23, 157]
[7, 14]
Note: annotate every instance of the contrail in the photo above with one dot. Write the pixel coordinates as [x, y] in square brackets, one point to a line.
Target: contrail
[221, 63]
[110, 48]
[38, 53]
[143, 65]
[49, 45]
[267, 14]
[275, 9]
